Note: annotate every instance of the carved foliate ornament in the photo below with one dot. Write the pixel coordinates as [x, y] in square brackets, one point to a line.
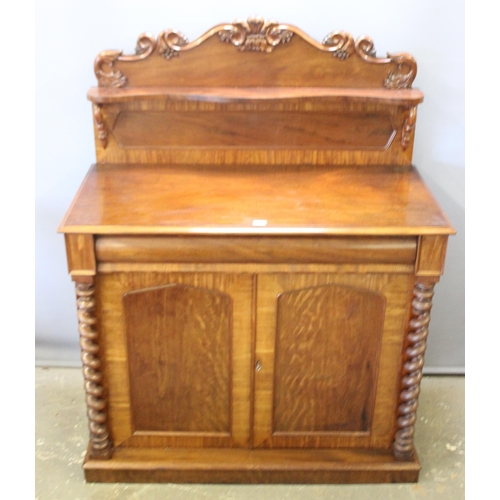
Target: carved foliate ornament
[340, 43]
[170, 42]
[406, 71]
[257, 35]
[107, 75]
[102, 131]
[408, 127]
[103, 68]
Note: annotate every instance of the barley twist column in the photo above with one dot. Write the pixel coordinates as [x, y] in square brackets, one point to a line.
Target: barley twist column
[95, 396]
[412, 369]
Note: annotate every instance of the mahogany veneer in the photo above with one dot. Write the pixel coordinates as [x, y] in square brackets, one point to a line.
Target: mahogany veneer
[254, 258]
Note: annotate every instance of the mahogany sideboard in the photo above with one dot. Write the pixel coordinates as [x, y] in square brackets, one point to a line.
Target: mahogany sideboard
[254, 257]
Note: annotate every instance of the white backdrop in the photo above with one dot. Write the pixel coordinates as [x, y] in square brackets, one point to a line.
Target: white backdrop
[70, 34]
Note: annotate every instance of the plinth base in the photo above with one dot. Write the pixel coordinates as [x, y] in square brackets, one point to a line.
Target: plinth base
[222, 465]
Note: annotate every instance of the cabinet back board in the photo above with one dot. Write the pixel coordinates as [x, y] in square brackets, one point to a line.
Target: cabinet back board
[254, 92]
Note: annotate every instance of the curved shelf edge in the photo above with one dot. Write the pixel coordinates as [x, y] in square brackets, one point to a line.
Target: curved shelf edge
[108, 95]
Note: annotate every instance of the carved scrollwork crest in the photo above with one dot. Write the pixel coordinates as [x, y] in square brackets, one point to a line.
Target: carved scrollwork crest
[405, 74]
[406, 70]
[170, 43]
[340, 44]
[107, 75]
[255, 34]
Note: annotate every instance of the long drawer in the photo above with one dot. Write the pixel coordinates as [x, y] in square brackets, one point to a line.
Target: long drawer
[256, 249]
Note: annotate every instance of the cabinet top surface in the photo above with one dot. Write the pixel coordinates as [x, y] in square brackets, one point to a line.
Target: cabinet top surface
[150, 199]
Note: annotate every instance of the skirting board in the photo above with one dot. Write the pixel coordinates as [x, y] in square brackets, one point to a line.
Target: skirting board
[218, 466]
[444, 370]
[76, 363]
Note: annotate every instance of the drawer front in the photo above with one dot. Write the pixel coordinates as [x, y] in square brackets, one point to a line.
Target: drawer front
[252, 249]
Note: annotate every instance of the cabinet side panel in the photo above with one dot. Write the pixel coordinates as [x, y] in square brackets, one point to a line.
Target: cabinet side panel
[431, 255]
[179, 358]
[327, 350]
[80, 254]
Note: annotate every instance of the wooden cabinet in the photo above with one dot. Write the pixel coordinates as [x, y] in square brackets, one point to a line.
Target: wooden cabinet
[254, 263]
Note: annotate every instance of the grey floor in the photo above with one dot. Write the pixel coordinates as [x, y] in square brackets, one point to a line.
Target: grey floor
[61, 440]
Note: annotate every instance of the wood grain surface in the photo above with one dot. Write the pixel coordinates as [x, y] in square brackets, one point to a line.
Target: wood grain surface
[80, 253]
[258, 130]
[215, 63]
[246, 95]
[136, 344]
[179, 345]
[253, 268]
[255, 249]
[221, 126]
[252, 466]
[382, 378]
[431, 255]
[321, 383]
[122, 199]
[282, 112]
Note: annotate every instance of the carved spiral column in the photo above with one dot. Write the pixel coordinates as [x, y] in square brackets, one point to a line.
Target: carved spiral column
[412, 369]
[95, 396]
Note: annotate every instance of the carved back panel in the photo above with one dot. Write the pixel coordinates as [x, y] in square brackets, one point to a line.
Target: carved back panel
[254, 92]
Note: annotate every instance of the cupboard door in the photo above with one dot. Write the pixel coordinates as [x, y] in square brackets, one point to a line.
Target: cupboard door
[327, 354]
[179, 344]
[185, 359]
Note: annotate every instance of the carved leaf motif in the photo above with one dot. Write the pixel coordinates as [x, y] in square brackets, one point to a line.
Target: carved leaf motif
[406, 70]
[366, 49]
[408, 127]
[284, 36]
[255, 25]
[340, 44]
[102, 132]
[108, 77]
[255, 35]
[225, 36]
[169, 43]
[405, 74]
